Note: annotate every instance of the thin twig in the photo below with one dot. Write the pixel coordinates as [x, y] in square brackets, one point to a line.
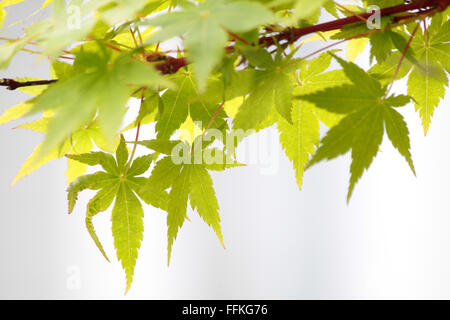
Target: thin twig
[235, 36]
[213, 118]
[404, 53]
[134, 38]
[113, 47]
[12, 84]
[141, 41]
[138, 129]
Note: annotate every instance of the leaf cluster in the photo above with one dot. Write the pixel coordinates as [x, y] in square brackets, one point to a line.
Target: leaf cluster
[219, 78]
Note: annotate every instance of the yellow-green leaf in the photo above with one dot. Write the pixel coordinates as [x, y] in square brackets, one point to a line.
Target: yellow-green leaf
[300, 139]
[128, 228]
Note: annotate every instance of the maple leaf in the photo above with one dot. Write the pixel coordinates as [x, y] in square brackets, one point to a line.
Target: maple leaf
[302, 9]
[272, 88]
[102, 87]
[427, 81]
[368, 112]
[81, 140]
[120, 181]
[186, 181]
[206, 28]
[186, 100]
[300, 138]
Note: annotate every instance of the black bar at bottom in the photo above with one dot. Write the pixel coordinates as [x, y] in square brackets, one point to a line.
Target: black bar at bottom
[227, 309]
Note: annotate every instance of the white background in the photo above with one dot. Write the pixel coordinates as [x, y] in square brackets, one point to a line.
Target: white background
[391, 241]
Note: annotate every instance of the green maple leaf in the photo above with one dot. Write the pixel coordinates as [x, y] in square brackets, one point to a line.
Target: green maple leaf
[303, 9]
[205, 28]
[16, 111]
[186, 100]
[186, 181]
[313, 78]
[116, 11]
[272, 87]
[385, 71]
[382, 44]
[73, 21]
[10, 49]
[427, 81]
[102, 86]
[300, 138]
[368, 112]
[148, 112]
[82, 140]
[120, 181]
[63, 28]
[58, 70]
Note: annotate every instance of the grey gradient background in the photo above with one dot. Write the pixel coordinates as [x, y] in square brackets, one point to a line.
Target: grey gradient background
[392, 240]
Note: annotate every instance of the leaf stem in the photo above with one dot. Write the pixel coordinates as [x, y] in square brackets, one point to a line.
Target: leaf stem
[213, 118]
[137, 136]
[134, 38]
[404, 53]
[12, 84]
[235, 36]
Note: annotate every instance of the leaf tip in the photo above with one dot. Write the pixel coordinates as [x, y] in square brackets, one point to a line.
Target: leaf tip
[14, 182]
[169, 254]
[350, 193]
[348, 199]
[413, 170]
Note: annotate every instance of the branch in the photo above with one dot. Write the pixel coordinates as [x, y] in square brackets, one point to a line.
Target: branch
[291, 35]
[169, 65]
[11, 84]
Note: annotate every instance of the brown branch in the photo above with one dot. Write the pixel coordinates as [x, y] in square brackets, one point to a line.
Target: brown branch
[291, 35]
[11, 84]
[169, 65]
